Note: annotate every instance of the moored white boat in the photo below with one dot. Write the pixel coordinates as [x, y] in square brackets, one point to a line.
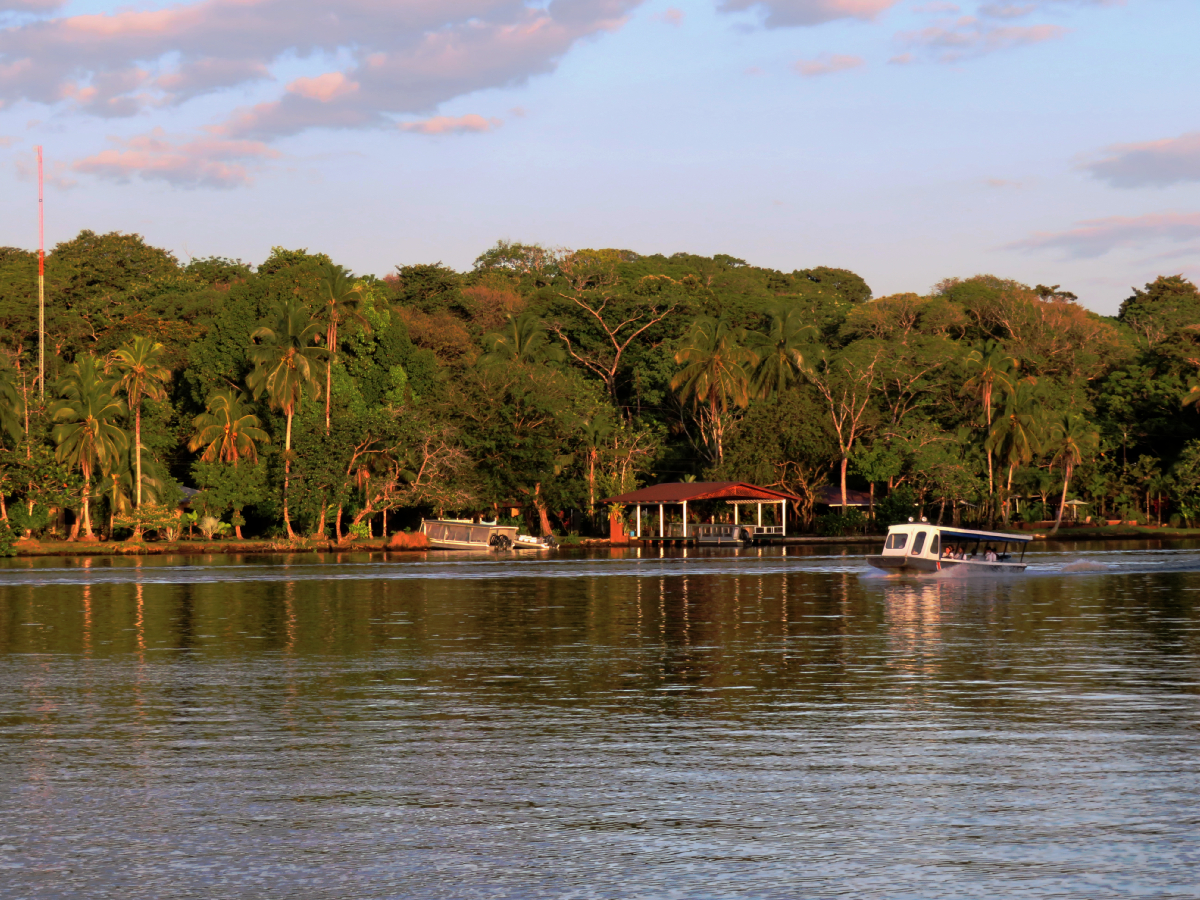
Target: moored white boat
[459, 534]
[922, 547]
[463, 534]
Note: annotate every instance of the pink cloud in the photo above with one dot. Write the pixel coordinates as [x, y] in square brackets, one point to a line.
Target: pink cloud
[1150, 164]
[405, 56]
[827, 64]
[323, 88]
[1097, 237]
[200, 162]
[787, 13]
[672, 16]
[451, 125]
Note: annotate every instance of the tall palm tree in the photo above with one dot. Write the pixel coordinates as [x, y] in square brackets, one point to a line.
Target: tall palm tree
[1072, 439]
[228, 431]
[989, 369]
[780, 359]
[87, 432]
[141, 375]
[1017, 434]
[340, 301]
[523, 339]
[716, 374]
[285, 369]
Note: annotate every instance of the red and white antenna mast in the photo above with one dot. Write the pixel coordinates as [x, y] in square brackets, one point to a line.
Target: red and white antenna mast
[41, 282]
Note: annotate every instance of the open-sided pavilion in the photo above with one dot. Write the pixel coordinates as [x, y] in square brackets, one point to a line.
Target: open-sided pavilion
[736, 493]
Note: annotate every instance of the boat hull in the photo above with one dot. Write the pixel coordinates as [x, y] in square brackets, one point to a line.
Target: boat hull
[915, 564]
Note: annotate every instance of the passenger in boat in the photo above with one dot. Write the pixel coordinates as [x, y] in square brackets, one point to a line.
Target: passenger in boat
[948, 552]
[990, 555]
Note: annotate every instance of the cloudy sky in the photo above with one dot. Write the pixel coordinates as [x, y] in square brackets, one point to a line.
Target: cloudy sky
[1053, 141]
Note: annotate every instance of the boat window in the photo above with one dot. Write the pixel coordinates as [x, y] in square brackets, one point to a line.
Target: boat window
[896, 541]
[934, 546]
[919, 543]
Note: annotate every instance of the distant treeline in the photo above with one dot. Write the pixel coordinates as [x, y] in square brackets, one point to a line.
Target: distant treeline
[299, 398]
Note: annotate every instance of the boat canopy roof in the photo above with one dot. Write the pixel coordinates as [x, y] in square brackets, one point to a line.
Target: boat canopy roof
[967, 534]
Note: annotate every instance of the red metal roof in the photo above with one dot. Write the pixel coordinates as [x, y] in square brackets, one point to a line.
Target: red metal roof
[678, 492]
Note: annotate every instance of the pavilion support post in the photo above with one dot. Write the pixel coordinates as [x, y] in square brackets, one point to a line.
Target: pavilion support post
[685, 520]
[662, 529]
[735, 514]
[783, 516]
[639, 521]
[760, 515]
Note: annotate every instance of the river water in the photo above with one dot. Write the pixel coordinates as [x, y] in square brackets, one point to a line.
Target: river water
[725, 724]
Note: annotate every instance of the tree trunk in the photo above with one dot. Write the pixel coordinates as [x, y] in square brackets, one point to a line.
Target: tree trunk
[137, 451]
[540, 505]
[872, 501]
[337, 524]
[991, 493]
[287, 474]
[1008, 495]
[3, 508]
[845, 465]
[86, 511]
[1062, 504]
[328, 384]
[237, 529]
[941, 509]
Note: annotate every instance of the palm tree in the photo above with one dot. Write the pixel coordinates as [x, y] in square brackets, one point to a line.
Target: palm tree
[989, 369]
[715, 375]
[1017, 434]
[285, 362]
[87, 434]
[781, 361]
[523, 340]
[341, 298]
[142, 375]
[228, 431]
[1072, 440]
[12, 405]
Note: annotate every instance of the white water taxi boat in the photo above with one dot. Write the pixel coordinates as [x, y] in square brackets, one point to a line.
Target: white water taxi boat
[463, 534]
[921, 547]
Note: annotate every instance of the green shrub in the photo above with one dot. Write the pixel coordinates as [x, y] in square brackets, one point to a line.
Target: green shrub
[8, 538]
[841, 525]
[360, 531]
[896, 508]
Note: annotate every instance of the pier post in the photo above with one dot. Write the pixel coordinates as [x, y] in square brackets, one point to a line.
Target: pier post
[685, 520]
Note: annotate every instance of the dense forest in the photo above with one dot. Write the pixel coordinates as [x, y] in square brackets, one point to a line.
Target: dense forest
[301, 400]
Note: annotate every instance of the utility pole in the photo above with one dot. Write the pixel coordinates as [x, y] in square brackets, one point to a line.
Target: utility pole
[41, 283]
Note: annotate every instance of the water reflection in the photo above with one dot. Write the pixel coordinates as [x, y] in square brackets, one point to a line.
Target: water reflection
[632, 723]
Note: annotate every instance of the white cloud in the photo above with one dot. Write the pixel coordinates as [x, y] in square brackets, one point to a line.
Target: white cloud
[970, 37]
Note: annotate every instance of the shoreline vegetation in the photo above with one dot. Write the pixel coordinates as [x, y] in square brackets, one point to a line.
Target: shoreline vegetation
[296, 403]
[411, 543]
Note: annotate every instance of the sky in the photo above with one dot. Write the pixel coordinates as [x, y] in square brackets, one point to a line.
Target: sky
[1050, 141]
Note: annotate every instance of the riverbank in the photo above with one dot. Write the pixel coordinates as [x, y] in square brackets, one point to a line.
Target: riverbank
[402, 542]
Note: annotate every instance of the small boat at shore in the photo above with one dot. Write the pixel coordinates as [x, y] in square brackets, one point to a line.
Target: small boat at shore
[463, 534]
[921, 547]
